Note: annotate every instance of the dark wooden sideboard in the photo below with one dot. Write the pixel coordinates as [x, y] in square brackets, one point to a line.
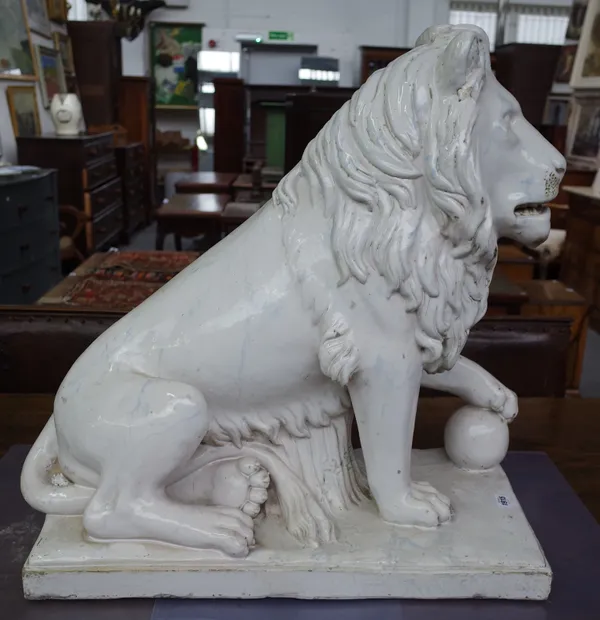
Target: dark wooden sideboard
[137, 116]
[131, 166]
[375, 58]
[29, 237]
[580, 267]
[87, 180]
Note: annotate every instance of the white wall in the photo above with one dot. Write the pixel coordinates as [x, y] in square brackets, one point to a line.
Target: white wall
[338, 27]
[7, 137]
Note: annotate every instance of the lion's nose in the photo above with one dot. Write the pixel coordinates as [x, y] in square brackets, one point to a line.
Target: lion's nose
[559, 165]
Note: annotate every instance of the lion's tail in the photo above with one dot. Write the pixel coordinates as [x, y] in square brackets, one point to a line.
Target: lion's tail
[47, 490]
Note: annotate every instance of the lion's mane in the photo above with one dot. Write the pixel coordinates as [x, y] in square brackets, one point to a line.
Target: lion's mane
[396, 173]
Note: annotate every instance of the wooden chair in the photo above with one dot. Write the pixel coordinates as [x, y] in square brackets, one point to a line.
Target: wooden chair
[72, 224]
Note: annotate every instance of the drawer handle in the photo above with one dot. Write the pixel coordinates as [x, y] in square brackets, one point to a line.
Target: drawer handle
[22, 209]
[24, 247]
[102, 229]
[25, 288]
[101, 200]
[93, 150]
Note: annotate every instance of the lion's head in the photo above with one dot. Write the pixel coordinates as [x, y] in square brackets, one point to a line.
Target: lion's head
[421, 172]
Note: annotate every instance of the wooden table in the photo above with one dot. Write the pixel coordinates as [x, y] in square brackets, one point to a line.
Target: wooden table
[580, 267]
[505, 296]
[514, 264]
[553, 298]
[244, 182]
[206, 183]
[188, 215]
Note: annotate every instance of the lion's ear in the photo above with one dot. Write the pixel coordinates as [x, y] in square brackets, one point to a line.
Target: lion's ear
[461, 67]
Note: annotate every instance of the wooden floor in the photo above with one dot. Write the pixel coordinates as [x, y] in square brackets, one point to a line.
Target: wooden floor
[568, 430]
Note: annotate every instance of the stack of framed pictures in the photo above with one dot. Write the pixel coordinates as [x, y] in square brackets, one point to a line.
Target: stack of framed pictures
[583, 138]
[17, 60]
[20, 59]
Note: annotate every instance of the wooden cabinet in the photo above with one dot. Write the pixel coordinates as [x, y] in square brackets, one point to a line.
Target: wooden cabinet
[97, 57]
[136, 114]
[87, 179]
[551, 298]
[230, 117]
[29, 237]
[527, 71]
[305, 116]
[581, 254]
[132, 172]
[375, 58]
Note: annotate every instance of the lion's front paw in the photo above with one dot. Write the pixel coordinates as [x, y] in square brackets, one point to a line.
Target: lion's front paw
[506, 404]
[421, 506]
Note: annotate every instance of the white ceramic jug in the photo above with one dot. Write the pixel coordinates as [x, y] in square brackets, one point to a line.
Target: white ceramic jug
[67, 115]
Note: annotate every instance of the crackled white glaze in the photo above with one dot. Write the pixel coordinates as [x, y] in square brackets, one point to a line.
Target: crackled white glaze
[231, 391]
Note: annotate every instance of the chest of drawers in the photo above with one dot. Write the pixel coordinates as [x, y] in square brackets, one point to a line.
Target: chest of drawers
[131, 167]
[87, 180]
[29, 237]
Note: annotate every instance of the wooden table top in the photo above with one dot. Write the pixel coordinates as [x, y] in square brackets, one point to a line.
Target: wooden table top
[509, 253]
[505, 291]
[244, 181]
[567, 429]
[552, 293]
[194, 205]
[206, 182]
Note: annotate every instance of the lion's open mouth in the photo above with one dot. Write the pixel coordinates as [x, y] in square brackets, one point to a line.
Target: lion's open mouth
[530, 209]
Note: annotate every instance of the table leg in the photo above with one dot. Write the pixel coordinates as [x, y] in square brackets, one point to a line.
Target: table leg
[178, 243]
[160, 239]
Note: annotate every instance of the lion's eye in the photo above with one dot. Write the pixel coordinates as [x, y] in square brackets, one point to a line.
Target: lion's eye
[508, 118]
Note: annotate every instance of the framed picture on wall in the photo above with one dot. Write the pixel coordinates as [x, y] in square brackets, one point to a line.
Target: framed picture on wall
[16, 52]
[57, 10]
[584, 132]
[24, 113]
[174, 63]
[52, 74]
[62, 43]
[37, 15]
[564, 68]
[586, 70]
[576, 18]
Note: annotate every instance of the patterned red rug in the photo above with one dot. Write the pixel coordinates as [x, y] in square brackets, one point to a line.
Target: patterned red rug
[123, 280]
[143, 266]
[123, 295]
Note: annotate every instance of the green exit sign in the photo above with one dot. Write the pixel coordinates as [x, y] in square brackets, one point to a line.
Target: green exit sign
[280, 35]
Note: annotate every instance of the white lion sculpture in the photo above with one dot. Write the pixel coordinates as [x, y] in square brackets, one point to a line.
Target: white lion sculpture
[355, 285]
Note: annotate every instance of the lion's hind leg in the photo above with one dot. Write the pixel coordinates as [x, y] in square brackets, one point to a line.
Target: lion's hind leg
[161, 425]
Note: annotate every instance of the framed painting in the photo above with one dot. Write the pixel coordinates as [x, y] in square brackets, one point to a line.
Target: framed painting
[16, 52]
[37, 16]
[586, 69]
[57, 10]
[24, 113]
[584, 132]
[174, 63]
[52, 74]
[576, 18]
[62, 43]
[564, 68]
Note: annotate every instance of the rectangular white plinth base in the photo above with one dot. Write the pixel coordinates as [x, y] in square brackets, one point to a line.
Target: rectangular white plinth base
[488, 550]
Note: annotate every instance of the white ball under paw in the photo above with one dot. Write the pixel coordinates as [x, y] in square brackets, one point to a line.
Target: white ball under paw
[476, 439]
